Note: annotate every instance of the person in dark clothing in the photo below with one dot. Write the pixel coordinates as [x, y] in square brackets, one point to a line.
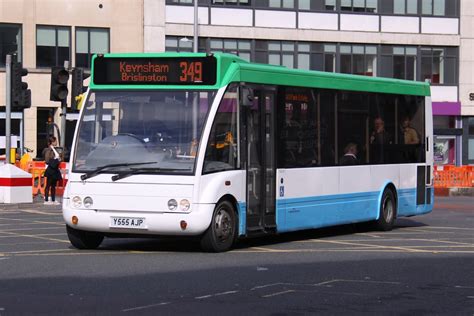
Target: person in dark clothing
[350, 155]
[379, 140]
[380, 136]
[52, 173]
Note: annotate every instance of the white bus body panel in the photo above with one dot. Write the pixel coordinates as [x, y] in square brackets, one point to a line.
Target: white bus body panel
[146, 196]
[140, 196]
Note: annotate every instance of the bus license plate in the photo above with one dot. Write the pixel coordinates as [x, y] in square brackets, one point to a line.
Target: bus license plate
[128, 222]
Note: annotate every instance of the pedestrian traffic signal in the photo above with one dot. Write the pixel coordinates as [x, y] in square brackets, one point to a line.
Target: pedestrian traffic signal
[59, 79]
[20, 94]
[77, 87]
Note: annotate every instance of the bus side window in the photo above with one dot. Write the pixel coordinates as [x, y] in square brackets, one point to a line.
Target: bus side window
[222, 151]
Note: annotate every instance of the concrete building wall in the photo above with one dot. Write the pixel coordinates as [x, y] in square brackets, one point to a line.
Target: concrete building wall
[124, 18]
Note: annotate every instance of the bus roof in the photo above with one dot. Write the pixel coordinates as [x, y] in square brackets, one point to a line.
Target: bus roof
[230, 68]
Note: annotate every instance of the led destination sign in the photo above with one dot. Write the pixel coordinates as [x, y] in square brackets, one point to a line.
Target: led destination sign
[162, 71]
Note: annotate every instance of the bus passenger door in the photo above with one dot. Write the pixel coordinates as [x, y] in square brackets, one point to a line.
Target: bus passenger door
[260, 161]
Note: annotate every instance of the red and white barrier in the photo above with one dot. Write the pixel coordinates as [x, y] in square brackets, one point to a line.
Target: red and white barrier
[15, 185]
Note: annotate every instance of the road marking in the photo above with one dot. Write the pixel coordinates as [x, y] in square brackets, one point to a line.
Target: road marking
[34, 251]
[370, 245]
[214, 295]
[18, 229]
[443, 227]
[32, 223]
[355, 281]
[36, 237]
[144, 307]
[464, 287]
[370, 235]
[42, 213]
[30, 243]
[16, 236]
[278, 293]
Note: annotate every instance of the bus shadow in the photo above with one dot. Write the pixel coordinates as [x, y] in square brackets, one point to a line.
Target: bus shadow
[326, 232]
[191, 245]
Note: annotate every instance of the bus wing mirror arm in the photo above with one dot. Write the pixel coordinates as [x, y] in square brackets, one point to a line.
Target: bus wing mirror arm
[246, 96]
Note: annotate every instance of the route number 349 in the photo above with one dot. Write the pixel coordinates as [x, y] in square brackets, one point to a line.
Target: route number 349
[190, 71]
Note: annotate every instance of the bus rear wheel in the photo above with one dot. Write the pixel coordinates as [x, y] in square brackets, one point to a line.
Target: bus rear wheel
[221, 234]
[81, 239]
[388, 211]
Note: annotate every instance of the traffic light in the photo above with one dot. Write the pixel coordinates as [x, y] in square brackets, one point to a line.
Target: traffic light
[59, 79]
[20, 94]
[77, 87]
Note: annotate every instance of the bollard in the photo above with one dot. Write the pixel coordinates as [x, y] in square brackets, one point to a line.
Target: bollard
[15, 185]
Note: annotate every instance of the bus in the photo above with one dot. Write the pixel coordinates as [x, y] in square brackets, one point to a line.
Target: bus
[216, 147]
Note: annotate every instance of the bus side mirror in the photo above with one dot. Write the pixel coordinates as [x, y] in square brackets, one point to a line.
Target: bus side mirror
[246, 96]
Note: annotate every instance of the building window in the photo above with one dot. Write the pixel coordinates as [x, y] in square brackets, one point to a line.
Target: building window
[470, 122]
[358, 59]
[90, 41]
[439, 65]
[399, 62]
[231, 2]
[240, 48]
[52, 46]
[405, 7]
[330, 5]
[440, 7]
[317, 56]
[179, 1]
[433, 7]
[317, 5]
[281, 53]
[285, 4]
[10, 42]
[404, 63]
[359, 5]
[178, 45]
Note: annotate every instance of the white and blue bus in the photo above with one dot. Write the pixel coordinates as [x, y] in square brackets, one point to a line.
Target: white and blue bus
[212, 146]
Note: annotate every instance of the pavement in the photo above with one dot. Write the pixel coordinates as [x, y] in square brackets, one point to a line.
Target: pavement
[454, 191]
[38, 204]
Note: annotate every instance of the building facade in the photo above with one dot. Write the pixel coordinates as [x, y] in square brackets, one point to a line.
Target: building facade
[45, 33]
[407, 39]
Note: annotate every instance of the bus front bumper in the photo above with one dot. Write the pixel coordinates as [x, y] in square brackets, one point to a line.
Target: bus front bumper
[139, 222]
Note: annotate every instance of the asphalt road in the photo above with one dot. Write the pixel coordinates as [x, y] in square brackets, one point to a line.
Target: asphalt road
[424, 266]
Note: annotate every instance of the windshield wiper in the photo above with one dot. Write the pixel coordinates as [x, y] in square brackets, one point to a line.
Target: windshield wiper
[135, 171]
[99, 170]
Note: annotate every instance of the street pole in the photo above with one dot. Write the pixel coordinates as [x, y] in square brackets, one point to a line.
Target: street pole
[195, 29]
[8, 107]
[62, 135]
[195, 49]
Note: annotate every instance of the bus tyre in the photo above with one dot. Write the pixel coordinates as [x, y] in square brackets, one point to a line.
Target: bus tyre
[222, 231]
[388, 210]
[83, 239]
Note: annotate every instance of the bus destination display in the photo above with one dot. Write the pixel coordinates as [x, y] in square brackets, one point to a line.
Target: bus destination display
[163, 71]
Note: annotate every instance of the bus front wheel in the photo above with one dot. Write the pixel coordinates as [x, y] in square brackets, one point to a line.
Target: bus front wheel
[388, 210]
[83, 239]
[221, 234]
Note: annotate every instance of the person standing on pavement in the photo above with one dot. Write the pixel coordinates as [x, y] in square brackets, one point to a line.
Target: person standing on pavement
[52, 173]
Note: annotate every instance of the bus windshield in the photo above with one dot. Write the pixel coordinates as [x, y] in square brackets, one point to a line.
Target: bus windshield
[155, 131]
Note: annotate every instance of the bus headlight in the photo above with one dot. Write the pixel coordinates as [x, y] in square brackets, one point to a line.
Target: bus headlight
[184, 205]
[172, 204]
[88, 202]
[76, 202]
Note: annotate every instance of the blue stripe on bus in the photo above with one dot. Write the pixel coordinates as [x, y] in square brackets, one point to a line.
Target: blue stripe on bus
[242, 218]
[327, 210]
[320, 211]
